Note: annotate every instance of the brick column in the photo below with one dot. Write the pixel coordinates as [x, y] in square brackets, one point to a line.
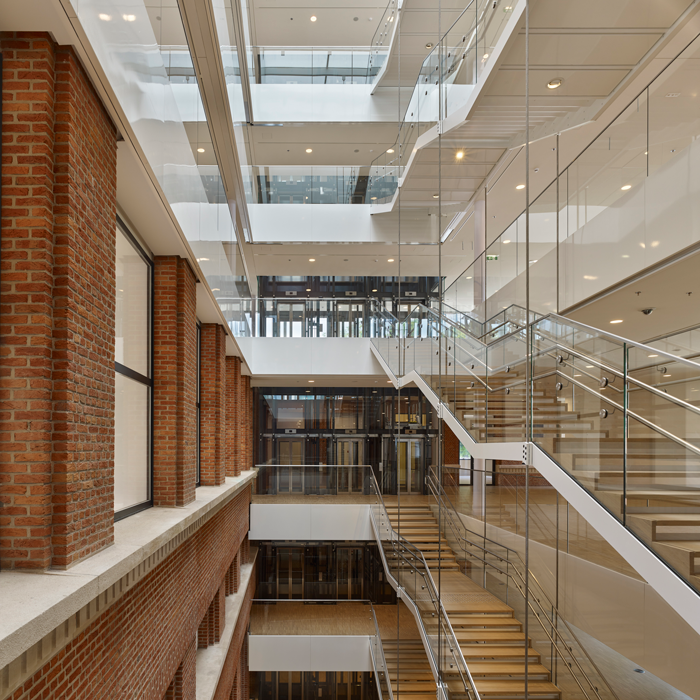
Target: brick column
[58, 308]
[212, 437]
[174, 382]
[231, 450]
[183, 685]
[247, 419]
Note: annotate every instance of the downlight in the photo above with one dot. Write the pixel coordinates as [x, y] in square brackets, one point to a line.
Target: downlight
[554, 83]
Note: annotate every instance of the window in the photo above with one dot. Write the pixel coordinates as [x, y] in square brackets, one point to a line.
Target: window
[133, 378]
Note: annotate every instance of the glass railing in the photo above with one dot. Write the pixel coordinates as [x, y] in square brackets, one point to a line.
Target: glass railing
[290, 480]
[685, 343]
[291, 617]
[621, 418]
[317, 65]
[655, 136]
[444, 84]
[408, 571]
[501, 571]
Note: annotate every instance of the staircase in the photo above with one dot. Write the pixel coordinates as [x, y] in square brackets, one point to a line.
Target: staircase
[491, 639]
[409, 669]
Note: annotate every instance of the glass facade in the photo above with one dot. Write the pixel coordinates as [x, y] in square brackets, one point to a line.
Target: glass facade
[342, 426]
[133, 378]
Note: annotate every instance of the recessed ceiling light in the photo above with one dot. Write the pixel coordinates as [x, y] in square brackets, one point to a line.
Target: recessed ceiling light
[626, 187]
[589, 366]
[129, 18]
[311, 381]
[202, 259]
[215, 289]
[652, 355]
[554, 83]
[309, 150]
[667, 375]
[436, 196]
[520, 187]
[589, 277]
[312, 259]
[486, 56]
[617, 320]
[308, 290]
[459, 155]
[313, 18]
[428, 46]
[374, 290]
[390, 260]
[373, 198]
[468, 278]
[104, 17]
[388, 381]
[389, 150]
[200, 150]
[625, 256]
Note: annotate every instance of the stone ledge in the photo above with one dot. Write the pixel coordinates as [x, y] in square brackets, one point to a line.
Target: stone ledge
[35, 605]
[210, 661]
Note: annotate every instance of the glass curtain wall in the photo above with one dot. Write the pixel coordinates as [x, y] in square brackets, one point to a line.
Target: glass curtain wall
[133, 378]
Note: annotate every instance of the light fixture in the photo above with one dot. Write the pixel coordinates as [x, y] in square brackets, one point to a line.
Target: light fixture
[652, 355]
[313, 18]
[589, 366]
[200, 150]
[390, 260]
[554, 83]
[468, 278]
[625, 256]
[428, 46]
[311, 381]
[202, 259]
[388, 381]
[532, 262]
[485, 56]
[312, 259]
[506, 242]
[589, 277]
[520, 187]
[215, 289]
[104, 17]
[617, 320]
[309, 150]
[626, 187]
[654, 244]
[374, 290]
[436, 196]
[308, 290]
[373, 198]
[459, 155]
[667, 375]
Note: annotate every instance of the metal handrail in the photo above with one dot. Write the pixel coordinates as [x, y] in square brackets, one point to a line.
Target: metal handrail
[441, 496]
[468, 682]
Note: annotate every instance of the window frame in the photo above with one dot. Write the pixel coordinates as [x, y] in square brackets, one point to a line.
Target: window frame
[137, 376]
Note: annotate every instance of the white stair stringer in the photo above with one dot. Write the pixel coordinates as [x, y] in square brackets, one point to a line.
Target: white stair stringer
[671, 587]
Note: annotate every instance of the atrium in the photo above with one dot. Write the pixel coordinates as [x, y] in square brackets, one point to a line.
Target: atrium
[350, 350]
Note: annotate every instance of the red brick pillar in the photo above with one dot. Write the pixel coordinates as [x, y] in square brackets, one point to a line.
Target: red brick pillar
[233, 382]
[212, 440]
[58, 308]
[183, 685]
[247, 418]
[174, 382]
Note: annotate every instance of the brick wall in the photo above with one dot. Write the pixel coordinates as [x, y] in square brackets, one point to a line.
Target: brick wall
[233, 389]
[213, 431]
[450, 446]
[174, 382]
[136, 648]
[57, 308]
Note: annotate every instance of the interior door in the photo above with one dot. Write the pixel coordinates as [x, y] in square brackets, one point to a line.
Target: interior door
[350, 452]
[349, 320]
[410, 465]
[290, 319]
[290, 451]
[290, 573]
[349, 562]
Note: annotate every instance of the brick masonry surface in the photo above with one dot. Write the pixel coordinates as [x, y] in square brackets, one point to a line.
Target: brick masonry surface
[57, 308]
[137, 647]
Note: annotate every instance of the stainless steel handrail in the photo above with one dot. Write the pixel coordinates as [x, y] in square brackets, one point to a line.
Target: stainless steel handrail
[460, 662]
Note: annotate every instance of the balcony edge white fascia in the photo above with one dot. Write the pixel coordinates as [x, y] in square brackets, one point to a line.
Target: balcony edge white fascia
[36, 604]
